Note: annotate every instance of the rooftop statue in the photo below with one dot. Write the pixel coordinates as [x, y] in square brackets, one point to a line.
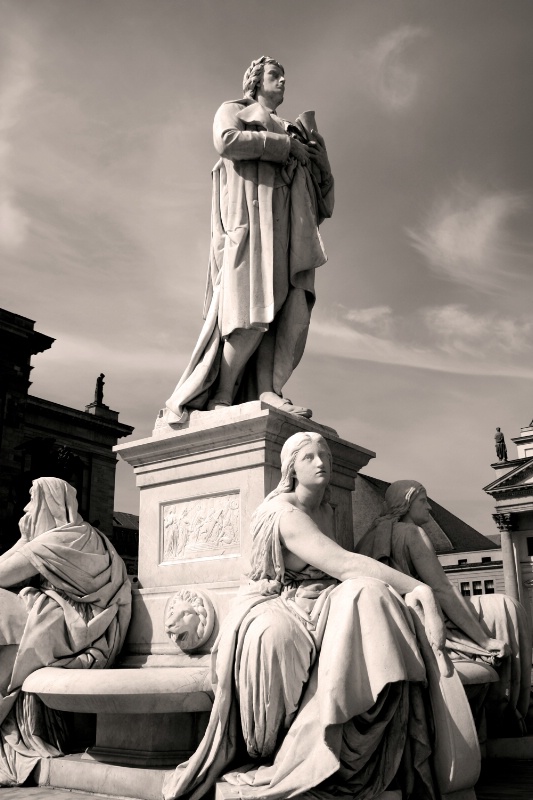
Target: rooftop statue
[501, 448]
[325, 635]
[99, 390]
[77, 618]
[272, 188]
[491, 629]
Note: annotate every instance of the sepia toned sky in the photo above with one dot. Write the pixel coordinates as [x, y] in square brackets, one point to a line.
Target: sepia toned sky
[422, 336]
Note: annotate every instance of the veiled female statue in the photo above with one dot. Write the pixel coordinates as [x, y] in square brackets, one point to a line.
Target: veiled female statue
[319, 673]
[77, 618]
[486, 629]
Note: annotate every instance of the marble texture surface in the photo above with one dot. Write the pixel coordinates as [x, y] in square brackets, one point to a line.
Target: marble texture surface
[199, 487]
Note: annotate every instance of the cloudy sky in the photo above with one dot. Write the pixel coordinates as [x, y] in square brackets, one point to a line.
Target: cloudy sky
[422, 338]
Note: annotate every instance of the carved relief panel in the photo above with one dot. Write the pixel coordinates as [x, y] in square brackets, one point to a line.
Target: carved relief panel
[200, 528]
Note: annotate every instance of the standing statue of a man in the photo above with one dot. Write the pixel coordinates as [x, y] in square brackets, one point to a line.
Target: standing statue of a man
[501, 448]
[272, 188]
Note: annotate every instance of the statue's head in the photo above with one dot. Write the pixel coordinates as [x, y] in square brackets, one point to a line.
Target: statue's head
[182, 623]
[400, 496]
[52, 504]
[498, 429]
[254, 74]
[186, 619]
[289, 453]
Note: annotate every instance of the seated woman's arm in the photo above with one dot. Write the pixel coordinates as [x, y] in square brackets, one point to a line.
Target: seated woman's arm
[427, 565]
[14, 569]
[302, 537]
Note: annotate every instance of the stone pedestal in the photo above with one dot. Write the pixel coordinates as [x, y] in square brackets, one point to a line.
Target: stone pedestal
[199, 487]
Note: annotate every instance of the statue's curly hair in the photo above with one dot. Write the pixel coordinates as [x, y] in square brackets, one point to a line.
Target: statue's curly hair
[253, 74]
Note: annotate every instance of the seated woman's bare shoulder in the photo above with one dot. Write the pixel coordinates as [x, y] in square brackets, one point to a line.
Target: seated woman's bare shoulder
[287, 498]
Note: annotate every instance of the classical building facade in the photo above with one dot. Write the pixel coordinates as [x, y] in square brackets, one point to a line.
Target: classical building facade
[38, 437]
[512, 492]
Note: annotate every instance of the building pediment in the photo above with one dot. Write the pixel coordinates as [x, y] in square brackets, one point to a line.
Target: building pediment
[517, 482]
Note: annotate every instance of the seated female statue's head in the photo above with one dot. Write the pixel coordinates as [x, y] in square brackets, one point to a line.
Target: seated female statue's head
[300, 448]
[407, 501]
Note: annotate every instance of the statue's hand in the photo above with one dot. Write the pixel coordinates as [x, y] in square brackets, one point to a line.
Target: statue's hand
[497, 648]
[427, 614]
[318, 153]
[25, 528]
[299, 151]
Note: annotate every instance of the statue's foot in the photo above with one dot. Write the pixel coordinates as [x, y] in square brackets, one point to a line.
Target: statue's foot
[167, 417]
[284, 404]
[217, 403]
[171, 418]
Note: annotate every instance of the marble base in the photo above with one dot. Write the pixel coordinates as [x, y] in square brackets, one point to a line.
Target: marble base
[78, 774]
[520, 747]
[226, 791]
[199, 486]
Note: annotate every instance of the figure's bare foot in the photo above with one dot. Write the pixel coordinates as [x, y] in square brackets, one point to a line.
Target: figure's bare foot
[284, 404]
[218, 402]
[171, 418]
[168, 417]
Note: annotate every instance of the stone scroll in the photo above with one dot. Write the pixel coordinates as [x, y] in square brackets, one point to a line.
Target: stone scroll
[199, 528]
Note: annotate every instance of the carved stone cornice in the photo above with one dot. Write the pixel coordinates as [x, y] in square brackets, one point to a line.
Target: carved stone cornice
[503, 493]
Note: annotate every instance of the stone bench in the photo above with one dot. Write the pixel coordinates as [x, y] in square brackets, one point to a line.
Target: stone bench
[174, 702]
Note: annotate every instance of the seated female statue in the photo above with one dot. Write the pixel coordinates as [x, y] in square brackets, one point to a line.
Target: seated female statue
[318, 668]
[77, 618]
[488, 628]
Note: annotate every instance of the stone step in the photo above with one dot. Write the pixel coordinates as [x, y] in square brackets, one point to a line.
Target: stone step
[80, 774]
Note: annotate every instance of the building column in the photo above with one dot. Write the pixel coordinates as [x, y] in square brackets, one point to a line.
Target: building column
[510, 574]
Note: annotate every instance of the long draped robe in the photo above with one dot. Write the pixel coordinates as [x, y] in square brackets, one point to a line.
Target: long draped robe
[322, 678]
[265, 247]
[507, 701]
[77, 619]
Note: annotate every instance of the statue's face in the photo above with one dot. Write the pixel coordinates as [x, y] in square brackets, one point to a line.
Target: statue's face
[26, 522]
[182, 623]
[420, 509]
[272, 85]
[312, 465]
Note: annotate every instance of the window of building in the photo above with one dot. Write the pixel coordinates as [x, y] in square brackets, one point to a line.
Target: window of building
[477, 587]
[462, 561]
[489, 587]
[465, 589]
[486, 559]
[530, 545]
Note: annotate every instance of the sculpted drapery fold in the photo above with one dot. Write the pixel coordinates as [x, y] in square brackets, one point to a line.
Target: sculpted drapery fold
[340, 712]
[76, 619]
[265, 247]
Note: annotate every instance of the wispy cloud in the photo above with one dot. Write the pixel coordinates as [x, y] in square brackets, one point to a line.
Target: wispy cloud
[378, 319]
[394, 82]
[457, 329]
[16, 83]
[466, 237]
[448, 338]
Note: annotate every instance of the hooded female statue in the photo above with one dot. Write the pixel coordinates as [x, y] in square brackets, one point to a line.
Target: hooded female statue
[486, 629]
[318, 668]
[76, 619]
